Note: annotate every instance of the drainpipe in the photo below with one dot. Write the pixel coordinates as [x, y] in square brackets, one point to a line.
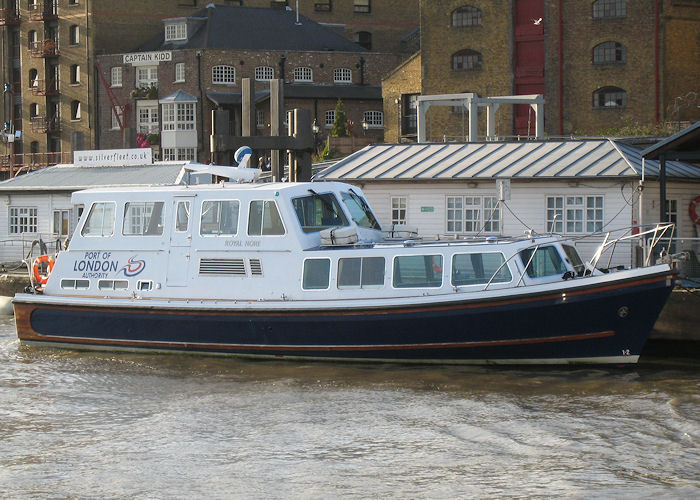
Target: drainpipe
[201, 100]
[656, 61]
[283, 58]
[561, 68]
[362, 70]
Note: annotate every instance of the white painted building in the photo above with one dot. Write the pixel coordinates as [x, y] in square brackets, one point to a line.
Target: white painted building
[575, 188]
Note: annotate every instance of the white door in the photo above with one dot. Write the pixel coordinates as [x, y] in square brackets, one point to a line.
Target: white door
[180, 241]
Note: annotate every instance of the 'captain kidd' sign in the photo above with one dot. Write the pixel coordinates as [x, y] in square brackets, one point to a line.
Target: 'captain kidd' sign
[111, 157]
[141, 58]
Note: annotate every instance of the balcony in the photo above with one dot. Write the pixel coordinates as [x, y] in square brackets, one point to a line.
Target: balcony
[8, 16]
[43, 11]
[44, 48]
[44, 125]
[44, 87]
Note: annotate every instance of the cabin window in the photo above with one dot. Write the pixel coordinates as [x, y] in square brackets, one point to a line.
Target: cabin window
[318, 211]
[70, 284]
[418, 271]
[100, 220]
[316, 274]
[182, 216]
[360, 211]
[361, 272]
[144, 286]
[219, 218]
[113, 284]
[264, 219]
[479, 268]
[143, 218]
[545, 262]
[573, 258]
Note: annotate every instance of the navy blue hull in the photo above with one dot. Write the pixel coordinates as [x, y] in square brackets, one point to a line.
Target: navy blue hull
[607, 321]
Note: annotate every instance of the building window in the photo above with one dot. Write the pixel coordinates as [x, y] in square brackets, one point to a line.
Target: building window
[23, 220]
[361, 6]
[75, 110]
[33, 110]
[178, 154]
[175, 31]
[330, 118]
[74, 34]
[342, 75]
[33, 78]
[409, 119]
[609, 9]
[574, 214]
[179, 72]
[61, 222]
[609, 53]
[323, 6]
[398, 210]
[374, 119]
[466, 60]
[116, 80]
[178, 116]
[115, 120]
[473, 214]
[31, 38]
[303, 75]
[466, 16]
[72, 2]
[223, 75]
[146, 76]
[260, 118]
[75, 74]
[264, 73]
[148, 120]
[364, 39]
[609, 97]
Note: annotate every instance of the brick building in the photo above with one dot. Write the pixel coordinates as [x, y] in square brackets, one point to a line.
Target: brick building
[600, 64]
[166, 89]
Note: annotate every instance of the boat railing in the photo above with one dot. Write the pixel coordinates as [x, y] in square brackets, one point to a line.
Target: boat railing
[684, 252]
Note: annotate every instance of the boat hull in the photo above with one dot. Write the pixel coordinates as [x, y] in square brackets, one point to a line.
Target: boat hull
[605, 323]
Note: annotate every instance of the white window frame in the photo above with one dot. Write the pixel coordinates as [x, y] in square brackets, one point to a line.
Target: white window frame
[175, 31]
[179, 116]
[74, 34]
[179, 72]
[399, 210]
[223, 75]
[115, 122]
[472, 214]
[117, 74]
[342, 75]
[329, 118]
[303, 74]
[60, 216]
[264, 73]
[147, 119]
[374, 119]
[23, 220]
[146, 76]
[576, 214]
[179, 154]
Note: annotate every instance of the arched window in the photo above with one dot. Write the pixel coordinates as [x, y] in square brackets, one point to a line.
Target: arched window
[466, 60]
[75, 74]
[466, 16]
[33, 78]
[609, 9]
[223, 75]
[303, 75]
[342, 75]
[609, 53]
[609, 97]
[364, 39]
[74, 34]
[75, 110]
[33, 110]
[264, 73]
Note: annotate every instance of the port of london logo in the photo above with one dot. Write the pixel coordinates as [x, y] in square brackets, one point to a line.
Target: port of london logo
[133, 267]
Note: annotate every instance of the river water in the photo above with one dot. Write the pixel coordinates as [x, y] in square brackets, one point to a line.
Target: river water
[106, 425]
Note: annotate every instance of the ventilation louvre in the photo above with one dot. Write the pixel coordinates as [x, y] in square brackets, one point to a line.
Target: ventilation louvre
[222, 267]
[255, 267]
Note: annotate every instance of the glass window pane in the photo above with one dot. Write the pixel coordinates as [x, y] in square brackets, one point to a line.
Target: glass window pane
[417, 271]
[143, 218]
[349, 272]
[182, 220]
[219, 217]
[478, 268]
[546, 262]
[316, 274]
[100, 220]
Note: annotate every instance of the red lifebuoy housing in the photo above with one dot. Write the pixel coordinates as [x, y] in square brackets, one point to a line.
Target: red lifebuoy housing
[41, 279]
[693, 210]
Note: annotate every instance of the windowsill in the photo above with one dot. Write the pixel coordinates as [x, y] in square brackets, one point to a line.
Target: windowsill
[609, 108]
[115, 86]
[74, 45]
[74, 84]
[179, 81]
[73, 120]
[224, 84]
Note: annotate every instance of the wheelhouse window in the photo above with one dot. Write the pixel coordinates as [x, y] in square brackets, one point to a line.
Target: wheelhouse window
[303, 75]
[361, 272]
[573, 258]
[143, 218]
[182, 216]
[100, 220]
[466, 16]
[417, 271]
[466, 60]
[359, 210]
[219, 218]
[398, 210]
[318, 211]
[479, 268]
[609, 97]
[542, 261]
[603, 9]
[316, 274]
[342, 75]
[609, 53]
[471, 214]
[362, 6]
[264, 73]
[23, 220]
[223, 75]
[264, 219]
[574, 214]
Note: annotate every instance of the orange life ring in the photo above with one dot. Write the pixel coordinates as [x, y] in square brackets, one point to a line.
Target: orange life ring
[693, 210]
[41, 279]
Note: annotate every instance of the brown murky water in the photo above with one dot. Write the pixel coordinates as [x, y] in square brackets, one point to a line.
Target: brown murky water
[104, 425]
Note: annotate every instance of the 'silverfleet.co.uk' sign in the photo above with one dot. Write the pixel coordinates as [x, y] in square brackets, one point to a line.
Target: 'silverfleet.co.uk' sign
[118, 157]
[148, 57]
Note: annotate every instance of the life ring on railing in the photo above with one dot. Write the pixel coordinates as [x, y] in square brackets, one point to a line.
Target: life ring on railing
[693, 210]
[41, 279]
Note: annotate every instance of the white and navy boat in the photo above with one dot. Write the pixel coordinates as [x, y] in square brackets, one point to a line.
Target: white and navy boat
[303, 270]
